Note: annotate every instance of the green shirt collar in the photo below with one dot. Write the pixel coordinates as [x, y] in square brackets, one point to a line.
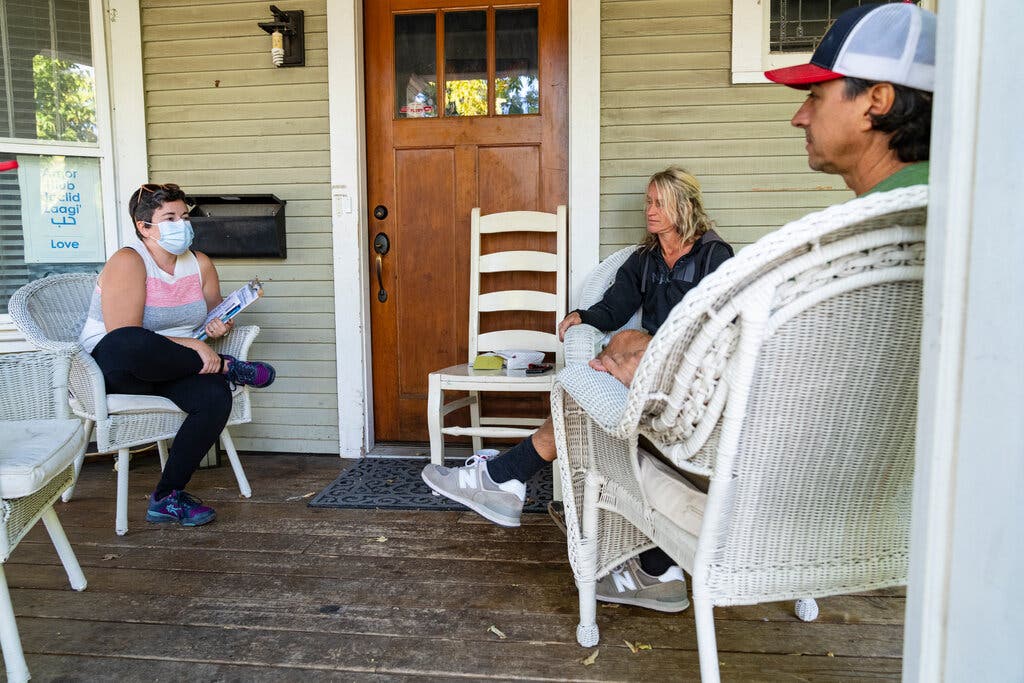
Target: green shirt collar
[914, 174]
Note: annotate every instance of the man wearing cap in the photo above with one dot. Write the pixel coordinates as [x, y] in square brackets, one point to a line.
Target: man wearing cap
[867, 116]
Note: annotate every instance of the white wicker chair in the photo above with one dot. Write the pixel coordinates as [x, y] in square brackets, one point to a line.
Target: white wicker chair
[50, 313]
[39, 442]
[582, 342]
[789, 376]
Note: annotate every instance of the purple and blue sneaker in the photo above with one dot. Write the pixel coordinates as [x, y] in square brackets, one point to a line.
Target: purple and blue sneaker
[181, 508]
[249, 373]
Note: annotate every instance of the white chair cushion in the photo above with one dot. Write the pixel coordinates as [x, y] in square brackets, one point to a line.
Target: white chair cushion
[140, 403]
[32, 452]
[126, 404]
[671, 494]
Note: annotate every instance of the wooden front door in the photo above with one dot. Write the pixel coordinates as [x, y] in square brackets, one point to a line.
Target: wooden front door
[466, 105]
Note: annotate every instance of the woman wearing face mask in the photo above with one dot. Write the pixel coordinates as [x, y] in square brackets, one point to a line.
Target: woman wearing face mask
[149, 297]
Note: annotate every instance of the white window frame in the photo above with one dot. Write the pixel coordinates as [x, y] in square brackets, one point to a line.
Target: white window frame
[750, 57]
[102, 150]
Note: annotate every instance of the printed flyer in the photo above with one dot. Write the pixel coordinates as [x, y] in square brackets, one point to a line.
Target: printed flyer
[61, 212]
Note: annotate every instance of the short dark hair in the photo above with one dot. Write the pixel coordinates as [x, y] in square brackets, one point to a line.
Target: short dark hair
[909, 119]
[150, 197]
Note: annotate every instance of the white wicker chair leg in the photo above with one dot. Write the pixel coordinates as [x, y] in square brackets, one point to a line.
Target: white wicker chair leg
[707, 647]
[161, 447]
[474, 419]
[67, 556]
[123, 462]
[10, 640]
[236, 464]
[435, 421]
[556, 482]
[70, 492]
[587, 632]
[806, 609]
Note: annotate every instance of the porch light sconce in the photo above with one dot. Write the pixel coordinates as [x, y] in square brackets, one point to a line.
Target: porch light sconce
[287, 42]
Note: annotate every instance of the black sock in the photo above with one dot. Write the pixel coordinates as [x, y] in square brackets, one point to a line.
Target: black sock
[655, 561]
[520, 462]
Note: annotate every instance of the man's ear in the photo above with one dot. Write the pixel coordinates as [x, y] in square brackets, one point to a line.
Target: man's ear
[880, 98]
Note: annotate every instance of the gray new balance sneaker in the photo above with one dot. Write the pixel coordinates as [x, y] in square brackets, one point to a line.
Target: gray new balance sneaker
[628, 584]
[472, 486]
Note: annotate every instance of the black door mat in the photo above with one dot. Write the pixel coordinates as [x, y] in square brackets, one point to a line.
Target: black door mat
[395, 484]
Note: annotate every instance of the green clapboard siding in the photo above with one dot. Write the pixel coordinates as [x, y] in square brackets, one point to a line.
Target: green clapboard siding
[221, 119]
[666, 98]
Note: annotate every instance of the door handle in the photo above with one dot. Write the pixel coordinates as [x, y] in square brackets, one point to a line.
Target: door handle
[381, 245]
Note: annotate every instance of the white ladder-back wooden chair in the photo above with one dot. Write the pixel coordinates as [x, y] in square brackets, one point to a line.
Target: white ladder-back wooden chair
[789, 377]
[40, 440]
[464, 377]
[50, 313]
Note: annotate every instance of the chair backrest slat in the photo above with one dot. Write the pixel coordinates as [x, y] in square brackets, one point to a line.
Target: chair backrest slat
[506, 302]
[518, 339]
[518, 300]
[512, 261]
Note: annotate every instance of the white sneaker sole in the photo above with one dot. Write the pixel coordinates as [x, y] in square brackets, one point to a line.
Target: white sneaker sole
[486, 513]
[655, 605]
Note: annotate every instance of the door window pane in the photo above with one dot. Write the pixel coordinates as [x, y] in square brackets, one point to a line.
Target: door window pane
[515, 59]
[465, 63]
[415, 65]
[48, 80]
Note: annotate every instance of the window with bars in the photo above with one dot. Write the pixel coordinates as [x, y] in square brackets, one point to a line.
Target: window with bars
[48, 119]
[777, 33]
[799, 25]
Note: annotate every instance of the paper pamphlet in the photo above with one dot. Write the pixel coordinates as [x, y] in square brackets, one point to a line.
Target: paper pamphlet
[232, 304]
[516, 359]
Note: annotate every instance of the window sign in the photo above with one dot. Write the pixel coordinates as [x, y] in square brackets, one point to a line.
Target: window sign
[61, 213]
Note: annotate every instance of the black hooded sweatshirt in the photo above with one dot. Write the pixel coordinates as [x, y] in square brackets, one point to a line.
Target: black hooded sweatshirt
[646, 281]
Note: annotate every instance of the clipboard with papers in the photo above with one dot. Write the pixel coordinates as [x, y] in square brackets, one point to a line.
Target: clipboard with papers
[233, 304]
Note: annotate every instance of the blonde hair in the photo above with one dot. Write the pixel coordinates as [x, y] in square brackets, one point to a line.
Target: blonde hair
[679, 193]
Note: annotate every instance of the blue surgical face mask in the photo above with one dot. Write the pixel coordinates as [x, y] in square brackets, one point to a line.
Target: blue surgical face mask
[175, 236]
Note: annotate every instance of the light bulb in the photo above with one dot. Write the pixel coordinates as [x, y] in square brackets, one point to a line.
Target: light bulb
[277, 48]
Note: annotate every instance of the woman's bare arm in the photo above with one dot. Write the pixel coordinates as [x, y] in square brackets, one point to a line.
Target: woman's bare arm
[123, 283]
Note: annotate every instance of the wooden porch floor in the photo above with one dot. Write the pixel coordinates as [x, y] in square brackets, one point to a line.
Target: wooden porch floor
[275, 590]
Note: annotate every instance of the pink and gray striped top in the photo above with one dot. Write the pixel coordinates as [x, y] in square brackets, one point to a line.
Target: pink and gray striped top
[174, 303]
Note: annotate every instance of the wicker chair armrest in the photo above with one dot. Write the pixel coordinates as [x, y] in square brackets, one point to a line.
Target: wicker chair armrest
[87, 387]
[24, 380]
[237, 342]
[582, 343]
[599, 394]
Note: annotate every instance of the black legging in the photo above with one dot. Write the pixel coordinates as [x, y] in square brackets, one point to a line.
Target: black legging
[135, 360]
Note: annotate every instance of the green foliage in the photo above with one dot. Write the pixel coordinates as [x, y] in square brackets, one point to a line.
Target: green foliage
[466, 98]
[65, 97]
[517, 95]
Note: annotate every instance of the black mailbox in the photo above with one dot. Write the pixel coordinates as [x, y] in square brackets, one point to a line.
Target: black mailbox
[238, 226]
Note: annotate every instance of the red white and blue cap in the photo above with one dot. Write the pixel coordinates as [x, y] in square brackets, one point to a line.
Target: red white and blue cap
[893, 43]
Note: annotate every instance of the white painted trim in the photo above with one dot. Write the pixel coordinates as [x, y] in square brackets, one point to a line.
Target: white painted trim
[348, 225]
[955, 125]
[128, 111]
[349, 203]
[97, 31]
[584, 142]
[964, 591]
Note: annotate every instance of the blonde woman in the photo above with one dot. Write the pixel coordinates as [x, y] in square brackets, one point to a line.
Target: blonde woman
[680, 248]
